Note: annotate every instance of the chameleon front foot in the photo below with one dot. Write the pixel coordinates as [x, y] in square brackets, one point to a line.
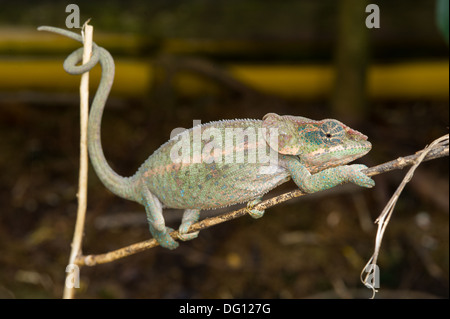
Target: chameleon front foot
[254, 213]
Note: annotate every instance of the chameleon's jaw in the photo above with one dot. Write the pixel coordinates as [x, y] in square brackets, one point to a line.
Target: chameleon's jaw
[337, 155]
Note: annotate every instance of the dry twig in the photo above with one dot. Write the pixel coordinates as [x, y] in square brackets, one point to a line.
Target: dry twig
[386, 214]
[83, 174]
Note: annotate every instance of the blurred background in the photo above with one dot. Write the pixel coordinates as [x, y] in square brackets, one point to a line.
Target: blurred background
[202, 59]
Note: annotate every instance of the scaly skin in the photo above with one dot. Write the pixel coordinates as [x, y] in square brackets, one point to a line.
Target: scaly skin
[201, 169]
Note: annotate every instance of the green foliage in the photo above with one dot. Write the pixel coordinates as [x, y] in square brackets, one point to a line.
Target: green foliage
[442, 17]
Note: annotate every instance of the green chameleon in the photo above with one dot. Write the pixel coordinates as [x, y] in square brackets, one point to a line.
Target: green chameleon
[223, 169]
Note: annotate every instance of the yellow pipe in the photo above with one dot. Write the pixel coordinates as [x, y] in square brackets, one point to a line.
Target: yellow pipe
[429, 80]
[133, 78]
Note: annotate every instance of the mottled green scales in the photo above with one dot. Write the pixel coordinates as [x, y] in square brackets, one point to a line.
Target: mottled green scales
[225, 162]
[197, 184]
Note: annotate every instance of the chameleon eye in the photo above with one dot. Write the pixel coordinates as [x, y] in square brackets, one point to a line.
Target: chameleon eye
[328, 135]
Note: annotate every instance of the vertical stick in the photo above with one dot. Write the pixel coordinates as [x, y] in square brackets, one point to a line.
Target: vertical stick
[72, 276]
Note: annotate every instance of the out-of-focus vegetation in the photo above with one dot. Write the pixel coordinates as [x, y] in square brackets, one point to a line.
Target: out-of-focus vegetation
[292, 30]
[292, 59]
[442, 17]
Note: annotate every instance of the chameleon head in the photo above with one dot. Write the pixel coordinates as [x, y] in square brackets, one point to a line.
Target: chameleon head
[319, 144]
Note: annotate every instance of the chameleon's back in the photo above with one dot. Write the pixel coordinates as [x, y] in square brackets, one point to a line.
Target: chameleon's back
[213, 165]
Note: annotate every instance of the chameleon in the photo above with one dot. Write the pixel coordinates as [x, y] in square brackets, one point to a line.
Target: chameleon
[224, 171]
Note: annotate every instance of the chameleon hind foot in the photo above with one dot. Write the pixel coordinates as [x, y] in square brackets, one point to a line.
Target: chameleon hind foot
[190, 217]
[254, 213]
[164, 238]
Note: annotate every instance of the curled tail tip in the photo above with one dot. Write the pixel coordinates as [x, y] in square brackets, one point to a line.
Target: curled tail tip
[60, 31]
[50, 29]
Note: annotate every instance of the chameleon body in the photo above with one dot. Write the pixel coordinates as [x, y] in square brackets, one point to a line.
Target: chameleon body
[217, 170]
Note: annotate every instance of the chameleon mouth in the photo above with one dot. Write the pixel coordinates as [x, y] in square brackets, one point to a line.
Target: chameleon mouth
[337, 155]
[349, 150]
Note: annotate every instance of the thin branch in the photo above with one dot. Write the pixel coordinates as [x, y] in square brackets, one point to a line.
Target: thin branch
[83, 173]
[385, 216]
[91, 260]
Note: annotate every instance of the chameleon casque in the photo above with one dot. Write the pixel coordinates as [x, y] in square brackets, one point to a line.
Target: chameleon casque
[311, 153]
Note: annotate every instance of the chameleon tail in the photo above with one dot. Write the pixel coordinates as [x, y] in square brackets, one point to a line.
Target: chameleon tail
[119, 185]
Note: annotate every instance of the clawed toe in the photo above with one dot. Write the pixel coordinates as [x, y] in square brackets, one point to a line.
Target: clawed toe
[254, 213]
[190, 236]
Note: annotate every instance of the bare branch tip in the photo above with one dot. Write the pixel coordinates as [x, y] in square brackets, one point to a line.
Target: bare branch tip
[86, 23]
